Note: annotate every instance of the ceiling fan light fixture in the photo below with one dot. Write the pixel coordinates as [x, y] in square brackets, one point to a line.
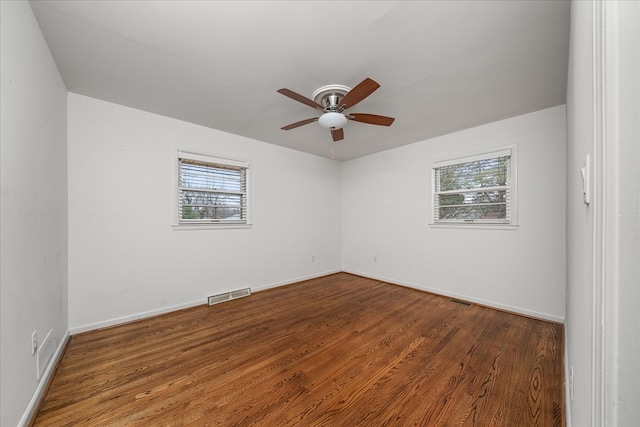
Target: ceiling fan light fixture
[332, 120]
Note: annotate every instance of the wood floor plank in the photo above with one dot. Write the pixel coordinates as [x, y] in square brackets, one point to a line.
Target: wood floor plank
[340, 350]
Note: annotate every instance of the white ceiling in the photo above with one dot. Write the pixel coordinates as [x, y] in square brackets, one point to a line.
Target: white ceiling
[443, 66]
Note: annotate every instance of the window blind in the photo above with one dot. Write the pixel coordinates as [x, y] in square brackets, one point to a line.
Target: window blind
[478, 190]
[211, 191]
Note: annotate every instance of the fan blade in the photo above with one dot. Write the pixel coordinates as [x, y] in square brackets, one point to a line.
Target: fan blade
[337, 134]
[300, 123]
[297, 97]
[358, 93]
[372, 119]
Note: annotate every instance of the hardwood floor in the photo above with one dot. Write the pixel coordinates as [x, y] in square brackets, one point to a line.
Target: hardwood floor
[340, 350]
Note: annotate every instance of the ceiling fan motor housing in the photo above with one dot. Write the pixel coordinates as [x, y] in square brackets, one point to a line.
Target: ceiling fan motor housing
[330, 96]
[331, 101]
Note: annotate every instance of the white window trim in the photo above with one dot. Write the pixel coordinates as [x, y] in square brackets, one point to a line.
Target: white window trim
[511, 150]
[176, 225]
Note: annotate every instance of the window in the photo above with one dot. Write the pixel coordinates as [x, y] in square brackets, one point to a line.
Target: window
[477, 189]
[212, 190]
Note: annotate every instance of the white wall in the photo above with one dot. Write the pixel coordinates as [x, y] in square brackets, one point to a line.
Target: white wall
[33, 230]
[580, 221]
[387, 207]
[623, 403]
[126, 261]
[603, 239]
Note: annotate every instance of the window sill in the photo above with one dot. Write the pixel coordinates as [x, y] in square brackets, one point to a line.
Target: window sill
[477, 226]
[188, 227]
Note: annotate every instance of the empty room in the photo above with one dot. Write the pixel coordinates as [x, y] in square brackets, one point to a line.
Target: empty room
[320, 213]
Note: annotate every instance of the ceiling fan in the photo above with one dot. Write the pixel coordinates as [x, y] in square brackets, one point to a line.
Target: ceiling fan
[333, 100]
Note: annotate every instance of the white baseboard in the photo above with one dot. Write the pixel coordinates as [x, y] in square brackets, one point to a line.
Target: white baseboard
[133, 317]
[138, 316]
[291, 281]
[47, 375]
[493, 304]
[150, 313]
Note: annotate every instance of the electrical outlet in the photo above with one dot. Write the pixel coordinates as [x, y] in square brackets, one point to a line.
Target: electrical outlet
[375, 259]
[313, 258]
[34, 342]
